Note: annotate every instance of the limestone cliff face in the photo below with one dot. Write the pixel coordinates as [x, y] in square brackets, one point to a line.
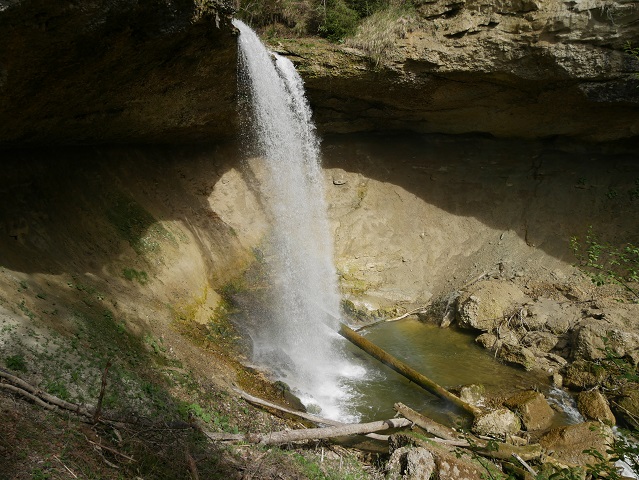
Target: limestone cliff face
[524, 68]
[114, 71]
[105, 71]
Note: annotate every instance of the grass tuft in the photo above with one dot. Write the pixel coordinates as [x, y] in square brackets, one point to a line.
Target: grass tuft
[378, 34]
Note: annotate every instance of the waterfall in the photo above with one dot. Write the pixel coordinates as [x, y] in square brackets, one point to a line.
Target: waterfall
[298, 339]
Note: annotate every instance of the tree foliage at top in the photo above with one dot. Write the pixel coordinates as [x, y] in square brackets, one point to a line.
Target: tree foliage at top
[333, 19]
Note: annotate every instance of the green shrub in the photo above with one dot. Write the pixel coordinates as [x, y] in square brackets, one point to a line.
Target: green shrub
[338, 20]
[16, 362]
[607, 263]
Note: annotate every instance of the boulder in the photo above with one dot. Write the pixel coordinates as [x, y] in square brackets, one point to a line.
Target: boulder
[533, 409]
[487, 340]
[567, 444]
[473, 394]
[542, 341]
[448, 465]
[549, 314]
[485, 306]
[497, 422]
[410, 463]
[594, 406]
[517, 355]
[593, 336]
[582, 374]
[627, 405]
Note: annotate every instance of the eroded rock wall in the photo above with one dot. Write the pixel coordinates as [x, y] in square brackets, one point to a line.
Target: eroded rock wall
[111, 71]
[524, 69]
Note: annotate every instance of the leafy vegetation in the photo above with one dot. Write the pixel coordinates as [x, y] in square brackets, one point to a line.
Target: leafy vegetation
[607, 263]
[132, 275]
[333, 19]
[16, 362]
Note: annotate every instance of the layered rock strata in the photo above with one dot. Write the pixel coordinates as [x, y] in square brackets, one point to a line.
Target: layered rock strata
[524, 69]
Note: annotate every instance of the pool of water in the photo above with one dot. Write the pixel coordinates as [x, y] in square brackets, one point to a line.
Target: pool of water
[449, 357]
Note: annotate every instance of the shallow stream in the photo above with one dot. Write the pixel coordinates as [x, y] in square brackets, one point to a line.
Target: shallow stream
[449, 357]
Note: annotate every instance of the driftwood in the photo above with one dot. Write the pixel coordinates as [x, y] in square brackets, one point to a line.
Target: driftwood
[421, 309]
[98, 408]
[29, 391]
[403, 369]
[286, 436]
[427, 424]
[525, 465]
[306, 416]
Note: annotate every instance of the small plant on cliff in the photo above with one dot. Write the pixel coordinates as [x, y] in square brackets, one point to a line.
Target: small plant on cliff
[606, 263]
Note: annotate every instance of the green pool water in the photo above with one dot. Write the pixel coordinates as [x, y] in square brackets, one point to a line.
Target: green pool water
[449, 357]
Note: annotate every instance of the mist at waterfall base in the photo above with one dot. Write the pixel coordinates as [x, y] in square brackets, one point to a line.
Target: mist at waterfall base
[297, 337]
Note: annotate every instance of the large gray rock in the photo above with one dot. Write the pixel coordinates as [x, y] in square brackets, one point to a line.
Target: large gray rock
[448, 465]
[582, 374]
[485, 306]
[410, 463]
[497, 422]
[541, 341]
[594, 336]
[533, 409]
[551, 315]
[517, 355]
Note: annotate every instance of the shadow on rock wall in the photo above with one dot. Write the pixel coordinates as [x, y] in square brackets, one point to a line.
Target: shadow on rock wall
[435, 202]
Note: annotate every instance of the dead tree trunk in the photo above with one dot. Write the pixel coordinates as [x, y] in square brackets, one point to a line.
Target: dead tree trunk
[286, 436]
[403, 369]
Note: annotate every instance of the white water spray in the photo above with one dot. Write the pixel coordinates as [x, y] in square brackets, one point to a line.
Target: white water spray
[300, 340]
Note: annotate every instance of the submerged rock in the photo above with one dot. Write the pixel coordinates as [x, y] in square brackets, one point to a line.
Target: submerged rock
[517, 355]
[473, 394]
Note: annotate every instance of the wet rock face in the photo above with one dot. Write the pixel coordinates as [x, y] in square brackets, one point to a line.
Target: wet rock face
[109, 71]
[525, 69]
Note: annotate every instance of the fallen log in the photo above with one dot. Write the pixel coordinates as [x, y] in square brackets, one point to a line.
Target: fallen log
[427, 424]
[43, 396]
[395, 319]
[403, 369]
[286, 436]
[306, 416]
[496, 450]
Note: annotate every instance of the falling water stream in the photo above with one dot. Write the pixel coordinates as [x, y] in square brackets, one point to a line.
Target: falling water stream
[299, 339]
[295, 320]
